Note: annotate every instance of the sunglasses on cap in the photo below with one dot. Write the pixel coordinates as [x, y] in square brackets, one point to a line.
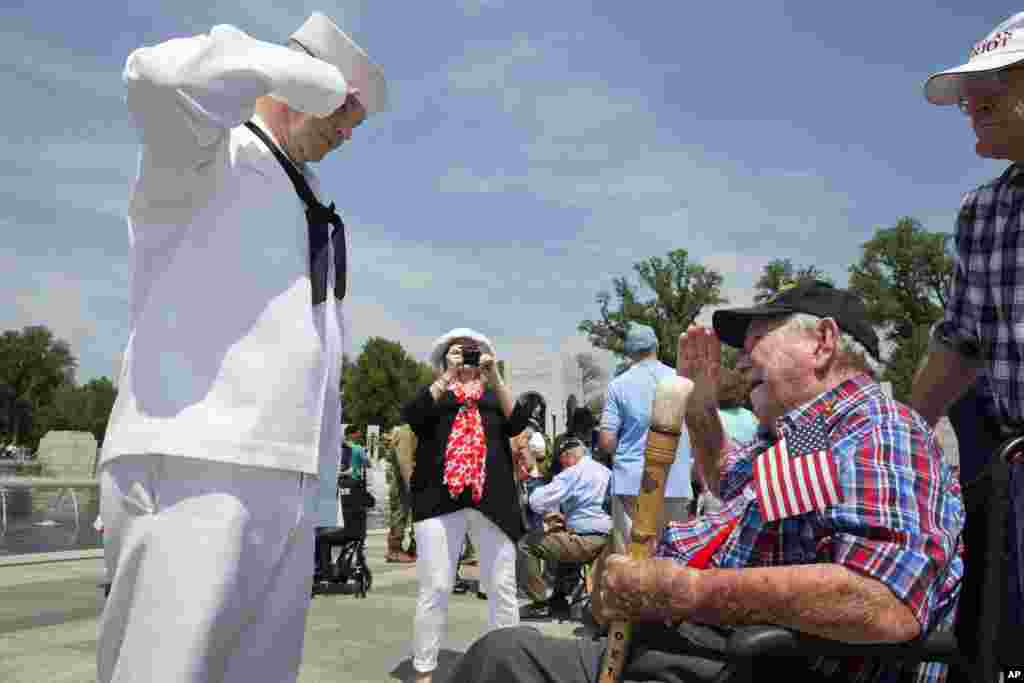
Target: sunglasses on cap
[987, 84]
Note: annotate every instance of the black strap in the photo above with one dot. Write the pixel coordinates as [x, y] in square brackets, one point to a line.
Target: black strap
[320, 219]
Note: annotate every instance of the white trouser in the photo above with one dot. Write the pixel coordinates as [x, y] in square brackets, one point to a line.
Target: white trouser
[674, 510]
[438, 544]
[212, 568]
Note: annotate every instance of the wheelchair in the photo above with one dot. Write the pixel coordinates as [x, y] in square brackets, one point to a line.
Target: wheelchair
[351, 565]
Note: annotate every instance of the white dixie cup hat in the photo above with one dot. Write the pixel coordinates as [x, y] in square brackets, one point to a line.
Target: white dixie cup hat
[321, 38]
[1001, 48]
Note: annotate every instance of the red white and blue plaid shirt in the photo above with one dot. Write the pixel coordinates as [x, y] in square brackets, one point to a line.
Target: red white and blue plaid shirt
[898, 518]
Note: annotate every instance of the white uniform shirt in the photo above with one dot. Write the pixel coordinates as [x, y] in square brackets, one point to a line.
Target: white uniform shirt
[227, 358]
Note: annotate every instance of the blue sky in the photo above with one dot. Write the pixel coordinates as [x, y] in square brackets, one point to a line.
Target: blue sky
[534, 151]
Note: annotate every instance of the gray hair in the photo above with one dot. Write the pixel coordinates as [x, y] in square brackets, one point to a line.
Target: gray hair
[850, 353]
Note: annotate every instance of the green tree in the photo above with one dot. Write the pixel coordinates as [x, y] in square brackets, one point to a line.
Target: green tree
[681, 290]
[904, 276]
[77, 408]
[781, 273]
[382, 378]
[34, 364]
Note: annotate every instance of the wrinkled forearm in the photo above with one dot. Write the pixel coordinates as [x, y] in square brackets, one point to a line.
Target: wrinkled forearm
[945, 376]
[708, 442]
[826, 600]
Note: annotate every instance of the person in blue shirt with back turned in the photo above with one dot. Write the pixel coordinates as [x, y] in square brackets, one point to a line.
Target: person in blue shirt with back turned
[576, 524]
[624, 424]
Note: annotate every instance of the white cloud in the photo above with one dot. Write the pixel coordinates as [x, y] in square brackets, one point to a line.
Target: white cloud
[475, 8]
[55, 305]
[487, 66]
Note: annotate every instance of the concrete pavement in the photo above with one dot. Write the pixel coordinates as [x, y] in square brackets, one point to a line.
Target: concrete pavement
[48, 622]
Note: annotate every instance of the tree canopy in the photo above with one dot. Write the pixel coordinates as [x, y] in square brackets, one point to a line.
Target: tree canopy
[781, 273]
[34, 364]
[80, 408]
[681, 289]
[382, 378]
[904, 276]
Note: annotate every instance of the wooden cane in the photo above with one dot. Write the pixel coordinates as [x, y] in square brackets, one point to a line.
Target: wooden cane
[667, 416]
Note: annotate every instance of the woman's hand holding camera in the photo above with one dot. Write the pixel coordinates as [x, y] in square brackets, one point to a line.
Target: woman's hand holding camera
[454, 361]
[489, 369]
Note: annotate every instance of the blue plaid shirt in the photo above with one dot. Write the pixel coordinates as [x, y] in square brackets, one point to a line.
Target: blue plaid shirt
[986, 299]
[899, 519]
[986, 304]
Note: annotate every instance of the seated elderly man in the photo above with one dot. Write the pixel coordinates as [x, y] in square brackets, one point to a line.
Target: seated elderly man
[840, 519]
[576, 525]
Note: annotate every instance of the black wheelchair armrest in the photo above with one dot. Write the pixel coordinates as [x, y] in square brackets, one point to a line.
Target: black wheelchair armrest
[776, 641]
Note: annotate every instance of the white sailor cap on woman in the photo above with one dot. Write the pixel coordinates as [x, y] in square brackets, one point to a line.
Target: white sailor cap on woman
[321, 38]
[442, 343]
[1001, 48]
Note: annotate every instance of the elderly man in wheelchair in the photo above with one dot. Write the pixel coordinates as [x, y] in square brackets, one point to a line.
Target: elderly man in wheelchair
[575, 529]
[840, 521]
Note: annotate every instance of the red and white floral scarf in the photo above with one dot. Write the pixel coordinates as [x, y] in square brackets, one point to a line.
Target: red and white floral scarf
[465, 454]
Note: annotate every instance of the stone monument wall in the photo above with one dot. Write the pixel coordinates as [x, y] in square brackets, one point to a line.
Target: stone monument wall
[68, 455]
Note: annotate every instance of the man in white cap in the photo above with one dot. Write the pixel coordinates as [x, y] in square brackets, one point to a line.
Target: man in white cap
[229, 391]
[980, 336]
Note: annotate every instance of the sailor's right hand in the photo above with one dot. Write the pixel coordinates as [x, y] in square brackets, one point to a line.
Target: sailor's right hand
[699, 359]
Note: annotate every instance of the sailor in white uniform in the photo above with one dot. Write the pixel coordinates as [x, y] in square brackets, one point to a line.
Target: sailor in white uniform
[229, 390]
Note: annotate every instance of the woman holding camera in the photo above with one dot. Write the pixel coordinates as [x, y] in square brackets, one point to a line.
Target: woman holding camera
[463, 480]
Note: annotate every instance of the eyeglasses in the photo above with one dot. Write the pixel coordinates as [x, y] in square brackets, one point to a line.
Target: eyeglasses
[988, 84]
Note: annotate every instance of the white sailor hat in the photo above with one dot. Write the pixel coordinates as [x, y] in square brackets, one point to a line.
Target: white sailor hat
[442, 343]
[321, 38]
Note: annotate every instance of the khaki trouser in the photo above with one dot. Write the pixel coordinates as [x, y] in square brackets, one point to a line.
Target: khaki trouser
[559, 546]
[399, 513]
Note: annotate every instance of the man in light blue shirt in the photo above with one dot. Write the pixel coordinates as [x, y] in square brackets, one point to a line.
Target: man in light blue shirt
[576, 525]
[624, 424]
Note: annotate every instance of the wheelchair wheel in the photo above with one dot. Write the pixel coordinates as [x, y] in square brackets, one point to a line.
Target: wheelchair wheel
[363, 582]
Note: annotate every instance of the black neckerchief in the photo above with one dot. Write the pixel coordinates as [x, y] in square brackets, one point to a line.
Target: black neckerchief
[320, 219]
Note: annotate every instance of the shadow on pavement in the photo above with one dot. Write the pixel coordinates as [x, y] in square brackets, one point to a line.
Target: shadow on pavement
[446, 660]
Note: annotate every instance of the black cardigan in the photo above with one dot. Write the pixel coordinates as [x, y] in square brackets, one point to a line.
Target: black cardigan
[432, 422]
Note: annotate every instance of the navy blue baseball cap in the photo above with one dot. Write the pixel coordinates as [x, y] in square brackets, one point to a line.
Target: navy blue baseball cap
[813, 297]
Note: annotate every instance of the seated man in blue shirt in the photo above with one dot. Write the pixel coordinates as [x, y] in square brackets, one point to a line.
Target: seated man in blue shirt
[577, 533]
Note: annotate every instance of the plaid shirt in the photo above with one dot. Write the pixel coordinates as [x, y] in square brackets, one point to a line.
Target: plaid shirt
[986, 300]
[898, 521]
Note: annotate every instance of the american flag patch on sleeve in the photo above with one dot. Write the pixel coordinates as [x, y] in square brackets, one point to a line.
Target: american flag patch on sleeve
[797, 475]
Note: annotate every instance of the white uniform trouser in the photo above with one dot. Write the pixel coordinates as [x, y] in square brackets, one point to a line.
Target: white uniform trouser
[211, 566]
[438, 544]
